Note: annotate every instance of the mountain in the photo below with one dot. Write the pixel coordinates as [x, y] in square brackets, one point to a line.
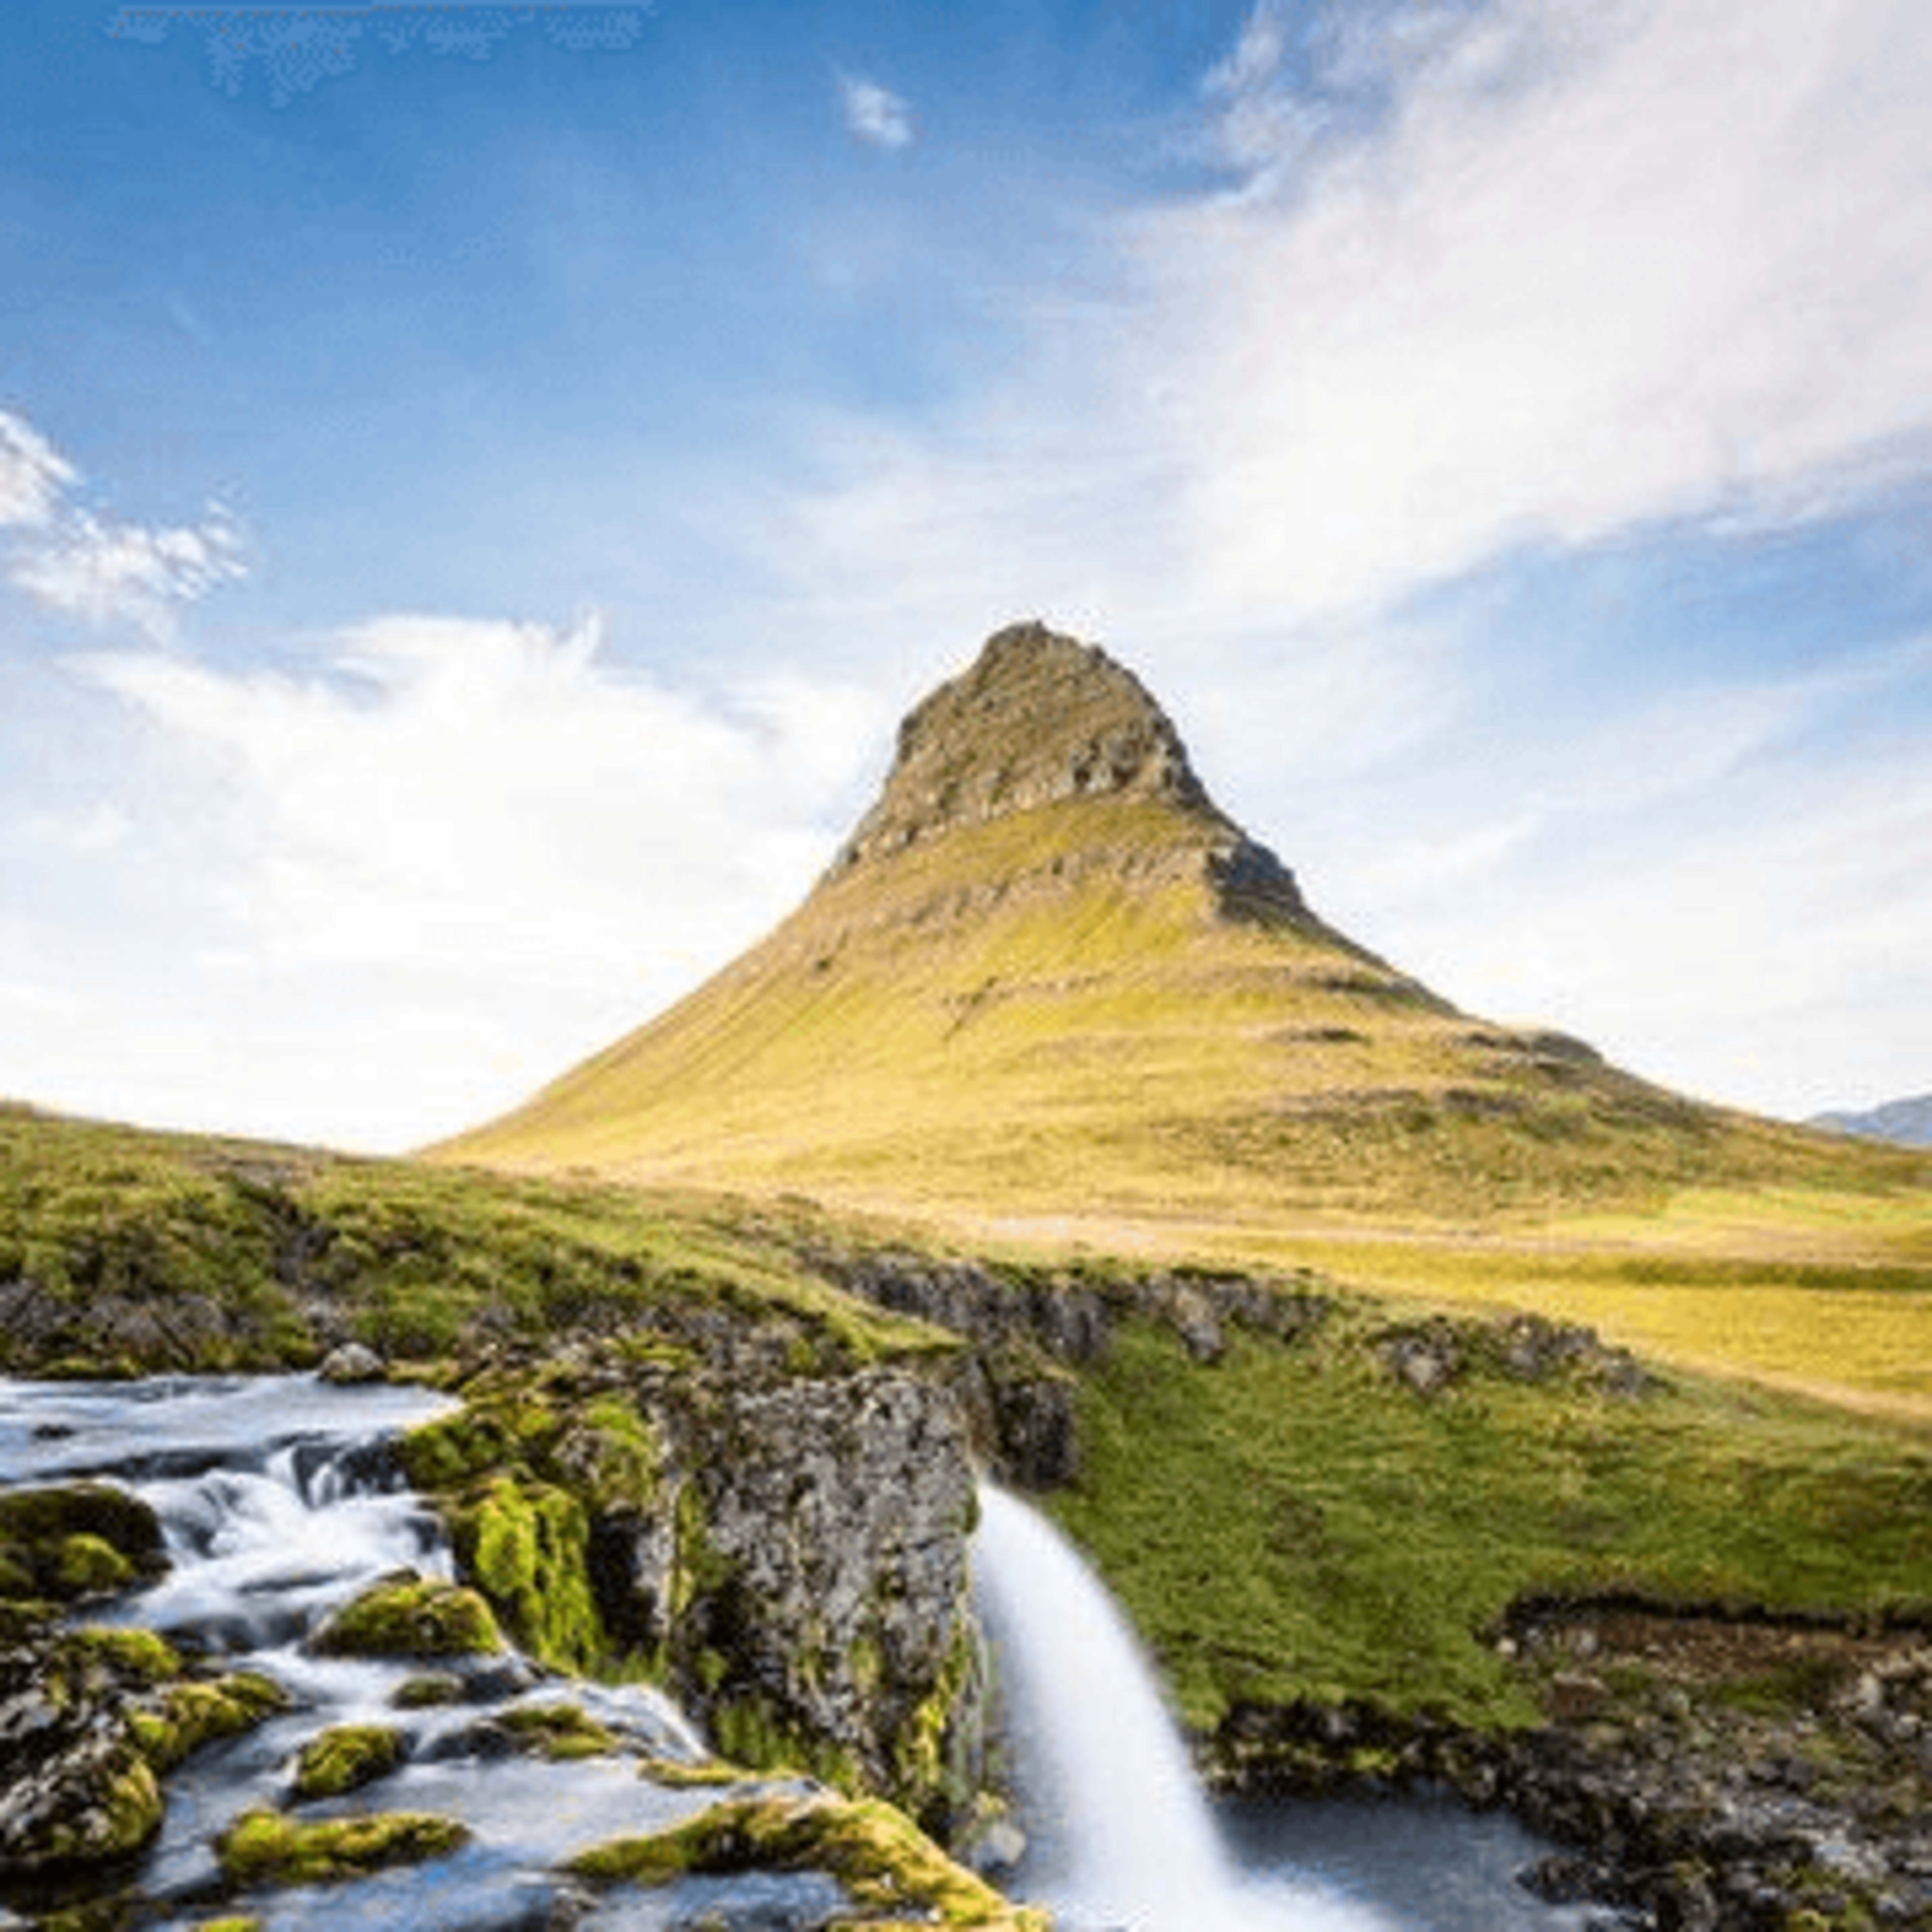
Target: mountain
[1047, 974]
[1908, 1122]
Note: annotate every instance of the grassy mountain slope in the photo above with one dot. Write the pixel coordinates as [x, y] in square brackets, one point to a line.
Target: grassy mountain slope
[1048, 976]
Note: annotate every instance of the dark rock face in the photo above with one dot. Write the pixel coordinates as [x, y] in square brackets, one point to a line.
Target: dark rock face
[823, 1558]
[1039, 718]
[1030, 1332]
[117, 1332]
[786, 1554]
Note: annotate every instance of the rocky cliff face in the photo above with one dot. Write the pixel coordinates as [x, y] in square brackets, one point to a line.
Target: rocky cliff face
[786, 1554]
[1040, 719]
[803, 1575]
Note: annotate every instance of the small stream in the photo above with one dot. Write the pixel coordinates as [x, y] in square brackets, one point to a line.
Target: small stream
[281, 1500]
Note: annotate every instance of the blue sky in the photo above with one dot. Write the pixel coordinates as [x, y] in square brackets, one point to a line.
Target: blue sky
[478, 485]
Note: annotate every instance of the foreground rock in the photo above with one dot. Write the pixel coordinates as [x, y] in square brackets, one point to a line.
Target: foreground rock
[786, 1556]
[883, 1865]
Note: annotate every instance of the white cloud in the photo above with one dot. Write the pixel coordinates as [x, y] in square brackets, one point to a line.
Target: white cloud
[875, 115]
[83, 833]
[33, 473]
[80, 562]
[104, 571]
[494, 847]
[1593, 266]
[1541, 272]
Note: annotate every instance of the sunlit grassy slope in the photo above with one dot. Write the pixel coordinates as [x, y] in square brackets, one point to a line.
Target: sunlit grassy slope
[1054, 1011]
[1050, 994]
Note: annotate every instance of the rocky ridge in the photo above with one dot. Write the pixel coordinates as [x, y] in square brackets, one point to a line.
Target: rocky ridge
[1041, 719]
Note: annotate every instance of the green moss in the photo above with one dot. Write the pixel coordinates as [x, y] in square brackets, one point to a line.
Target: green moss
[876, 1853]
[749, 1733]
[698, 1568]
[75, 1540]
[927, 1782]
[345, 1757]
[527, 1545]
[430, 1688]
[126, 1652]
[190, 1715]
[559, 1731]
[677, 1776]
[615, 1456]
[88, 1566]
[409, 1615]
[264, 1847]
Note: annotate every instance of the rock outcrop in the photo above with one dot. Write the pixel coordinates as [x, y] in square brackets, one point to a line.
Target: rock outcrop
[786, 1554]
[1041, 719]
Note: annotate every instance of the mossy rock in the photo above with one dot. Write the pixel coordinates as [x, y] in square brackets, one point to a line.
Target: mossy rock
[558, 1731]
[426, 1691]
[884, 1862]
[263, 1847]
[345, 1757]
[187, 1716]
[76, 1540]
[408, 1615]
[126, 1652]
[111, 1807]
[527, 1545]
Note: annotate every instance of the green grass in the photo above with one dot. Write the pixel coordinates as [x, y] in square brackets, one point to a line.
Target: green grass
[1292, 1522]
[150, 1251]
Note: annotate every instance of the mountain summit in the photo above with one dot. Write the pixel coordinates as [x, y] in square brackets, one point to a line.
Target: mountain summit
[1046, 974]
[1041, 719]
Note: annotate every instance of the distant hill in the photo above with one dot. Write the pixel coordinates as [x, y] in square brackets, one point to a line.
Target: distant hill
[1048, 975]
[1908, 1123]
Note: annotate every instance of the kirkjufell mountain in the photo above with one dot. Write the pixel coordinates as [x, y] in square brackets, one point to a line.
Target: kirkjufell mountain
[1047, 973]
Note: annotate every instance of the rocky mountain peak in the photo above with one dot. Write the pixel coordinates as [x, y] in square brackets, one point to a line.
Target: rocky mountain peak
[1039, 717]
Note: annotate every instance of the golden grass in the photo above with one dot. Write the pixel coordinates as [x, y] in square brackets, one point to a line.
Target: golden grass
[1046, 1028]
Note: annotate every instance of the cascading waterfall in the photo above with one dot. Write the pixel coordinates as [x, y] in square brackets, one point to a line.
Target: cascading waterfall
[280, 1499]
[1116, 1812]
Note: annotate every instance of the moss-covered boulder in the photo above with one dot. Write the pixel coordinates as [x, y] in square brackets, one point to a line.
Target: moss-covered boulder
[95, 1799]
[73, 1540]
[558, 1731]
[345, 1757]
[888, 1866]
[408, 1615]
[171, 1727]
[79, 1788]
[262, 1847]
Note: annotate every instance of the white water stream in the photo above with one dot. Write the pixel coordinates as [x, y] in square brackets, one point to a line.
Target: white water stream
[280, 1501]
[1120, 1825]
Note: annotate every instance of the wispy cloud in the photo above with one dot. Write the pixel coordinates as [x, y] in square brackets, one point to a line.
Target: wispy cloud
[1539, 272]
[1543, 271]
[33, 474]
[873, 114]
[493, 819]
[86, 563]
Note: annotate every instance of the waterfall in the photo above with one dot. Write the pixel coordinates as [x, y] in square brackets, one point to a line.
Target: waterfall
[1111, 1798]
